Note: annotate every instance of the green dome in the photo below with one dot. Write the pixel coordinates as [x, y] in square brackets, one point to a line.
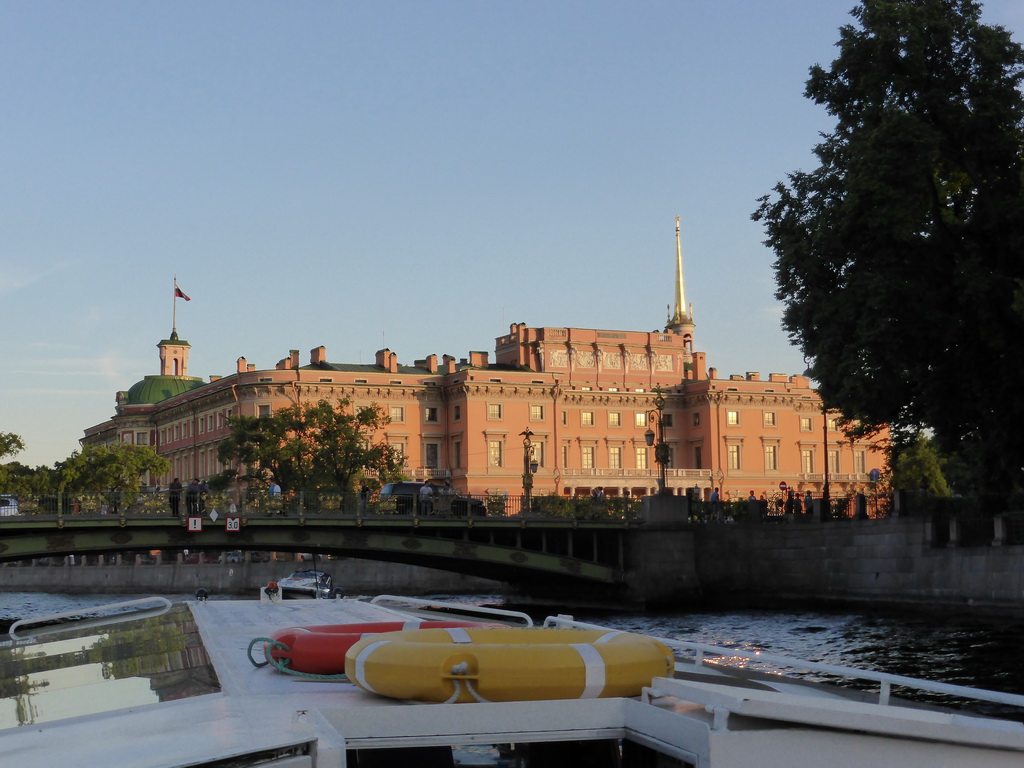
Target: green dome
[155, 389]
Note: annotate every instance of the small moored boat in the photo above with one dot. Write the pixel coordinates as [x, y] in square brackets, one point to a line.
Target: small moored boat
[462, 665]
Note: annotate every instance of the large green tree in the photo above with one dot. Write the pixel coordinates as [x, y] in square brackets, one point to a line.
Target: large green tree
[307, 446]
[900, 258]
[115, 467]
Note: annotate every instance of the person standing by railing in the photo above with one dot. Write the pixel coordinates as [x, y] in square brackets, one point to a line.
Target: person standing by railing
[174, 496]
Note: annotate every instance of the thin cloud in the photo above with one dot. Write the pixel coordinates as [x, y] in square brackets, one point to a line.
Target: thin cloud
[14, 278]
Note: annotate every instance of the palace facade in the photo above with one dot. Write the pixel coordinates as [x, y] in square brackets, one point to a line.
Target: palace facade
[581, 404]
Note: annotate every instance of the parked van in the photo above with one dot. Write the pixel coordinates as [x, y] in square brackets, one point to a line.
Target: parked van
[8, 505]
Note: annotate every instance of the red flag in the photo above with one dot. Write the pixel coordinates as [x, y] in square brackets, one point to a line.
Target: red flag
[179, 294]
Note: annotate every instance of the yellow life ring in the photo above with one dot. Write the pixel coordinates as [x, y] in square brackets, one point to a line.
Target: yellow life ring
[487, 664]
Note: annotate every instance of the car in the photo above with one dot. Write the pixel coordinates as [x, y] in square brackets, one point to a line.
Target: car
[406, 497]
[8, 505]
[308, 583]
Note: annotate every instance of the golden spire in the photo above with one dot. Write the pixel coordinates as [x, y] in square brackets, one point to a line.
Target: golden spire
[683, 315]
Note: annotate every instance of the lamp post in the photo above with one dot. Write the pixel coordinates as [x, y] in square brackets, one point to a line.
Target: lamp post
[826, 509]
[661, 450]
[530, 465]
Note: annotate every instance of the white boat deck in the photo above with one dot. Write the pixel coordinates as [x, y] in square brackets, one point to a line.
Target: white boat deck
[709, 719]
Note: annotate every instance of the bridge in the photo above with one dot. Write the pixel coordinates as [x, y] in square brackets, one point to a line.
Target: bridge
[622, 549]
[518, 550]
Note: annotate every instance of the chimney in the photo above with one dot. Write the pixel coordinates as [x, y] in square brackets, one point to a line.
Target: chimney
[318, 355]
[448, 362]
[478, 359]
[387, 360]
[712, 373]
[250, 367]
[432, 363]
[241, 365]
[293, 358]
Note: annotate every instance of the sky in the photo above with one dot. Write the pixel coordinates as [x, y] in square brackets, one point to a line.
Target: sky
[404, 174]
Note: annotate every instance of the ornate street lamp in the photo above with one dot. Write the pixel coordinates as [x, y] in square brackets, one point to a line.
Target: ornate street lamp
[826, 504]
[826, 508]
[530, 465]
[661, 450]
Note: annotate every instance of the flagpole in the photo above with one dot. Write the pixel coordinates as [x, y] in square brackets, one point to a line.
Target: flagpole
[174, 305]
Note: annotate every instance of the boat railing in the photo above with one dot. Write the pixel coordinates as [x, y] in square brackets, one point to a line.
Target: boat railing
[444, 605]
[885, 680]
[95, 616]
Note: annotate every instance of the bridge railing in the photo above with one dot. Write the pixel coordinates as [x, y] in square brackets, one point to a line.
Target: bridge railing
[316, 504]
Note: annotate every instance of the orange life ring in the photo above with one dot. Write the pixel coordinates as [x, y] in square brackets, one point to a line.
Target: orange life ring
[321, 650]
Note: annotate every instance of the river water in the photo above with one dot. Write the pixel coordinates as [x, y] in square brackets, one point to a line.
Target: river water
[982, 653]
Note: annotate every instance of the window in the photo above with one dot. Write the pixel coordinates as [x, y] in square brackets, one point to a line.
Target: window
[430, 455]
[457, 454]
[734, 456]
[494, 412]
[641, 458]
[696, 419]
[565, 418]
[456, 413]
[698, 457]
[805, 423]
[399, 450]
[641, 420]
[615, 419]
[769, 418]
[860, 463]
[732, 418]
[807, 461]
[538, 453]
[587, 418]
[615, 457]
[565, 455]
[430, 414]
[142, 438]
[666, 420]
[264, 412]
[771, 457]
[588, 457]
[494, 453]
[397, 413]
[833, 461]
[536, 413]
[833, 425]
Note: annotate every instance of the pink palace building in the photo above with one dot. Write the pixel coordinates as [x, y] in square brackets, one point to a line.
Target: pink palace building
[579, 404]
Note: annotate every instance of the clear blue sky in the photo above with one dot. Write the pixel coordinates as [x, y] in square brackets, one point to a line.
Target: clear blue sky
[416, 175]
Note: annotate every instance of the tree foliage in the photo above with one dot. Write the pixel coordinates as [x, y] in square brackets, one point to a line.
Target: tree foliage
[920, 466]
[115, 467]
[10, 444]
[900, 259]
[323, 445]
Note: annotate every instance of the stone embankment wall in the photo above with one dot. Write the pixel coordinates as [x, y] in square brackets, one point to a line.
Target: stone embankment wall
[886, 562]
[353, 575]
